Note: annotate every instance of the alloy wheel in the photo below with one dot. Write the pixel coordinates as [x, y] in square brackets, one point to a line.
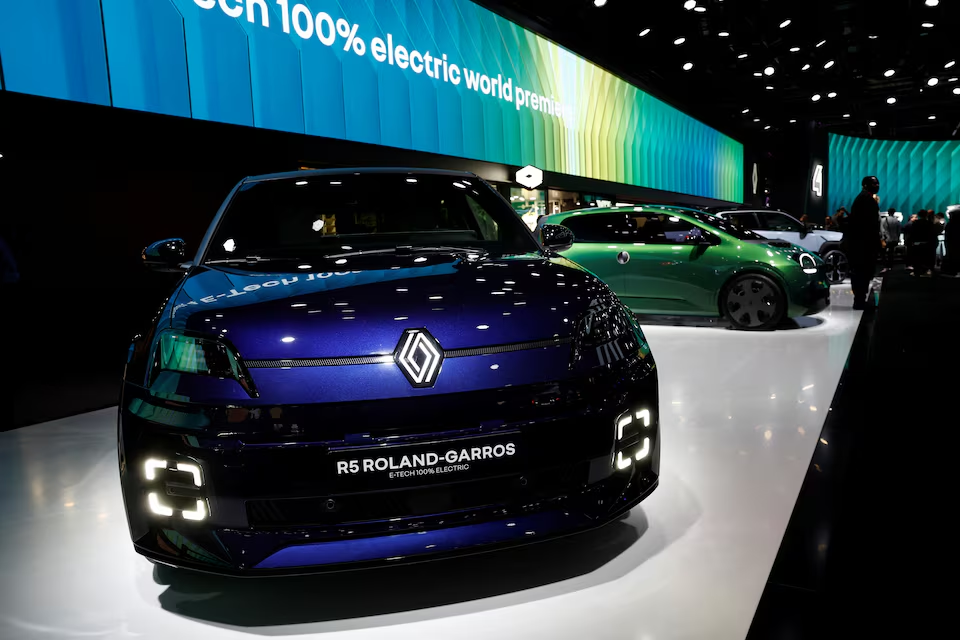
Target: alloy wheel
[837, 266]
[752, 302]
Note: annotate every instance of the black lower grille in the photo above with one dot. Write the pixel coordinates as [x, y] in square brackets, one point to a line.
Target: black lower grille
[422, 501]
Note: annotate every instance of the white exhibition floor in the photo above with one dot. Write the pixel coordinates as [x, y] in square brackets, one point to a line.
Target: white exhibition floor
[741, 414]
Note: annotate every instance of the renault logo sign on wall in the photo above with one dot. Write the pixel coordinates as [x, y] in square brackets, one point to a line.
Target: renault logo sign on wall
[419, 357]
[817, 185]
[530, 177]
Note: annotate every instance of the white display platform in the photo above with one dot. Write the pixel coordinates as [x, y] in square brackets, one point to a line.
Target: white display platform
[741, 414]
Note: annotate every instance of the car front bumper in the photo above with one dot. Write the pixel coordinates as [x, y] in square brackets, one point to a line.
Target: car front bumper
[272, 501]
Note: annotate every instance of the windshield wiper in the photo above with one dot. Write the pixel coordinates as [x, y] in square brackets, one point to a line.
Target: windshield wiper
[250, 260]
[408, 250]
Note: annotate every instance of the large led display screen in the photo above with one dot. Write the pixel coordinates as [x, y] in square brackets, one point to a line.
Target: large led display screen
[913, 175]
[443, 76]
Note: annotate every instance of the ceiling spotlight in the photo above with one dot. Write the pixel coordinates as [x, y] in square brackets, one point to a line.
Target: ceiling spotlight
[724, 34]
[872, 37]
[931, 117]
[829, 64]
[743, 55]
[756, 119]
[953, 79]
[931, 3]
[815, 97]
[932, 82]
[805, 67]
[689, 4]
[926, 25]
[644, 32]
[889, 73]
[769, 88]
[745, 111]
[599, 3]
[699, 9]
[821, 43]
[766, 127]
[757, 74]
[891, 100]
[687, 66]
[846, 115]
[872, 123]
[769, 71]
[785, 24]
[679, 41]
[956, 91]
[794, 49]
[792, 121]
[949, 64]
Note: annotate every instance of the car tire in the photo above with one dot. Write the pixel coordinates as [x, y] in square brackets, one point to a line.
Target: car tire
[753, 302]
[837, 266]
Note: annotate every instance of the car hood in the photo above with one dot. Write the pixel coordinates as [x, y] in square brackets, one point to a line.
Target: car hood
[462, 302]
[829, 236]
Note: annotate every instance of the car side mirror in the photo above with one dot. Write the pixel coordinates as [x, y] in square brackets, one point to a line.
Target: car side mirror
[556, 237]
[707, 240]
[807, 228]
[165, 256]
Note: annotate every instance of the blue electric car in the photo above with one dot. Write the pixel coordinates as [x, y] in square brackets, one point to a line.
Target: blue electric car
[372, 365]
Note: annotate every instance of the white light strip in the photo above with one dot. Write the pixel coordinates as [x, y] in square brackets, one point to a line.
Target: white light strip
[643, 453]
[156, 507]
[624, 421]
[192, 469]
[623, 463]
[434, 359]
[150, 468]
[644, 414]
[199, 514]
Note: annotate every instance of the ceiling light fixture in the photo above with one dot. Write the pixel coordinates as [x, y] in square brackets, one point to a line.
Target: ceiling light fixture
[829, 64]
[699, 9]
[927, 25]
[769, 71]
[949, 64]
[645, 32]
[821, 43]
[743, 55]
[689, 4]
[599, 3]
[956, 91]
[757, 74]
[769, 88]
[756, 119]
[679, 41]
[724, 34]
[931, 117]
[747, 110]
[785, 24]
[889, 73]
[794, 49]
[931, 3]
[846, 115]
[873, 37]
[953, 79]
[766, 127]
[805, 67]
[687, 66]
[932, 82]
[792, 121]
[872, 123]
[891, 100]
[815, 97]
[832, 94]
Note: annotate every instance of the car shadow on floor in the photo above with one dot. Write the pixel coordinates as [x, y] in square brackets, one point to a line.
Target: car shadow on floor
[261, 602]
[705, 322]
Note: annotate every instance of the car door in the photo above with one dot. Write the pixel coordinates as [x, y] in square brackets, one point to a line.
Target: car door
[783, 227]
[671, 268]
[598, 240]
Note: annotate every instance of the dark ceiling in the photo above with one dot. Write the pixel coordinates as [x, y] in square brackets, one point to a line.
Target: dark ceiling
[862, 38]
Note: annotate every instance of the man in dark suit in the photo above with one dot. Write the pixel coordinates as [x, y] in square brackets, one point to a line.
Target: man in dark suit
[861, 239]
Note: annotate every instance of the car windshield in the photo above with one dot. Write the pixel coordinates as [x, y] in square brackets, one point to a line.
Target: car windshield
[729, 227]
[313, 216]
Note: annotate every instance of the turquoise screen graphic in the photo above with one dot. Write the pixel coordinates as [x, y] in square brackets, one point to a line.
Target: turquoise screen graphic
[913, 175]
[442, 76]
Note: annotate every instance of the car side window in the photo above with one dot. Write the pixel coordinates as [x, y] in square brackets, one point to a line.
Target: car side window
[663, 229]
[601, 227]
[743, 220]
[779, 222]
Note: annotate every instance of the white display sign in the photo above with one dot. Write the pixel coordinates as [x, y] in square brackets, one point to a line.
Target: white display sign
[818, 180]
[530, 177]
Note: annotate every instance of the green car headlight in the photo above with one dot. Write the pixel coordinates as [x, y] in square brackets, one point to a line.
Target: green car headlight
[178, 352]
[808, 263]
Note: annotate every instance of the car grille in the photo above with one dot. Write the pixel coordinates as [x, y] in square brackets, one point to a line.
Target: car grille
[422, 501]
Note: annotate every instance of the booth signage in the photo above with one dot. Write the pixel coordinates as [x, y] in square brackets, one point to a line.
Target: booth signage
[441, 76]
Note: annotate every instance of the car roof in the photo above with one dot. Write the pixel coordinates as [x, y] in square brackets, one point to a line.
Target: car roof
[639, 208]
[357, 171]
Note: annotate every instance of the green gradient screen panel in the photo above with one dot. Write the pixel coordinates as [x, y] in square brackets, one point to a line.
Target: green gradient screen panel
[442, 76]
[913, 175]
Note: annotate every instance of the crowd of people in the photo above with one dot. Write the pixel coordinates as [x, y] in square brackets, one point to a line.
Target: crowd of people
[869, 236]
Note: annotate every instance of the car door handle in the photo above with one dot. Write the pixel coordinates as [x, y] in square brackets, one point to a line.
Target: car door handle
[623, 257]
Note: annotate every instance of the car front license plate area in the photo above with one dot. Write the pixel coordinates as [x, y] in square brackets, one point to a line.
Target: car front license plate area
[424, 463]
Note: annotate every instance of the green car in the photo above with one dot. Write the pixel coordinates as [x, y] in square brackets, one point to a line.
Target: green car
[682, 262]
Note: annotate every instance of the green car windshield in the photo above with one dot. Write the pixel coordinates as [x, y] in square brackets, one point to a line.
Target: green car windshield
[730, 227]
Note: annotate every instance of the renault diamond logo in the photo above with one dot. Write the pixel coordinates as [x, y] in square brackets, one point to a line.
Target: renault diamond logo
[419, 357]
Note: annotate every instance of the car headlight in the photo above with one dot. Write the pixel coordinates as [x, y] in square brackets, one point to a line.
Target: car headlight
[610, 329]
[178, 352]
[808, 262]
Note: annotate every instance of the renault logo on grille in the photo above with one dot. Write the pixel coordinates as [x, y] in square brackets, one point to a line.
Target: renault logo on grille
[419, 357]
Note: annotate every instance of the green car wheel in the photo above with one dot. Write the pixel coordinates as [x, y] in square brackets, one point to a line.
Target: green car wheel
[753, 302]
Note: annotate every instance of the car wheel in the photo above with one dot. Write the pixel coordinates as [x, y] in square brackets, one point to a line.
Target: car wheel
[837, 266]
[753, 302]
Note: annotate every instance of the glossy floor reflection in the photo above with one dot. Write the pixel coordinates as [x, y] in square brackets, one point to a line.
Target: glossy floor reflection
[741, 416]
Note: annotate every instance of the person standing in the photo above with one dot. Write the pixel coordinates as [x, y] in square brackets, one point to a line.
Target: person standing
[861, 240]
[890, 234]
[923, 237]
